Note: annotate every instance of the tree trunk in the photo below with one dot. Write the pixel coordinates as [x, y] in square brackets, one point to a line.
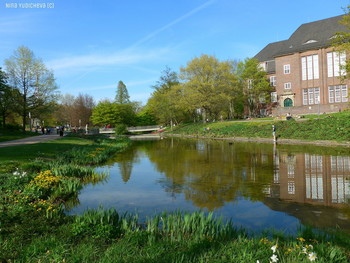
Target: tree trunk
[3, 120]
[24, 119]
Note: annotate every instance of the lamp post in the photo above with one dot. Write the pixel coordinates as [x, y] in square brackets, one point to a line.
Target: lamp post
[30, 121]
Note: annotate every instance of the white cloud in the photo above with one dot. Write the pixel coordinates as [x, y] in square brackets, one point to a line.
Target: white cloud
[19, 23]
[129, 84]
[85, 62]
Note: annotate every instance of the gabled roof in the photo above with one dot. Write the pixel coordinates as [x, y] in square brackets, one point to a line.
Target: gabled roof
[269, 52]
[308, 36]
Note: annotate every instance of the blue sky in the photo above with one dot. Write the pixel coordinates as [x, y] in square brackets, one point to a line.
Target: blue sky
[91, 45]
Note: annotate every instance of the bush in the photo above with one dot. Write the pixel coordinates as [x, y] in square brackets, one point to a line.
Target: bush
[13, 127]
[120, 129]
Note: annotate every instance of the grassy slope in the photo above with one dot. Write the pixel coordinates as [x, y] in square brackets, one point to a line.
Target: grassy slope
[333, 127]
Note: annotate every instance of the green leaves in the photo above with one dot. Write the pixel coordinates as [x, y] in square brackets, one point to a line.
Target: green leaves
[111, 113]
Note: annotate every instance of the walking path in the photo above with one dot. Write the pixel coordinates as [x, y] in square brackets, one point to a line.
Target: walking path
[30, 140]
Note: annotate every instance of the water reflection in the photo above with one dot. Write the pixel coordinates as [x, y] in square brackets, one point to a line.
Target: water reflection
[256, 185]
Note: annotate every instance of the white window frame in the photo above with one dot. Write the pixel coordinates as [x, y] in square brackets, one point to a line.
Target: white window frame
[291, 187]
[311, 96]
[286, 69]
[338, 94]
[274, 96]
[273, 81]
[310, 67]
[335, 64]
[288, 85]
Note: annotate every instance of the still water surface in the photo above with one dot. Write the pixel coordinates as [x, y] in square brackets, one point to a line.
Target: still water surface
[257, 186]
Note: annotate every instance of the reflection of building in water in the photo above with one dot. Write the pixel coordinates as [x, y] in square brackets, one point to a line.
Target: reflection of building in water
[314, 179]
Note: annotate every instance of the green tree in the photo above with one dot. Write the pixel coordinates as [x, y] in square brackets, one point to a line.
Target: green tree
[7, 98]
[35, 83]
[164, 101]
[145, 118]
[208, 86]
[111, 113]
[256, 88]
[122, 96]
[341, 41]
[167, 80]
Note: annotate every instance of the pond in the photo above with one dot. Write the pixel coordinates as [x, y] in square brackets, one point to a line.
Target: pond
[257, 186]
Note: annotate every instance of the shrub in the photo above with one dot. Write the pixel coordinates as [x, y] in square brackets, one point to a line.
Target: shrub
[13, 127]
[120, 129]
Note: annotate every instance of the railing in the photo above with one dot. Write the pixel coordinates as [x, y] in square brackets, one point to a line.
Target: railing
[132, 129]
[143, 128]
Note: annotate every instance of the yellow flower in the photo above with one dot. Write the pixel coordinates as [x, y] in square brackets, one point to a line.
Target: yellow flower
[301, 239]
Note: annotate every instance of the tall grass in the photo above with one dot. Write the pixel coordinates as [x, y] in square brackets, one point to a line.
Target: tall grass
[103, 224]
[198, 225]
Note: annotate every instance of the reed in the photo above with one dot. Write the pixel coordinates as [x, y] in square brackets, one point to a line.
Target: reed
[103, 224]
[197, 225]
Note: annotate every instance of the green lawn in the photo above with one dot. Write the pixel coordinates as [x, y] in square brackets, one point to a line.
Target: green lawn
[25, 153]
[6, 135]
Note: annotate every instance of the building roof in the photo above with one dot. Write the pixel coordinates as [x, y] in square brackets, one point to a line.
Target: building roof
[308, 36]
[269, 52]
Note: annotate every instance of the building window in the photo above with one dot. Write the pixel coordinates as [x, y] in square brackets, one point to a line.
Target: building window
[309, 67]
[288, 102]
[338, 93]
[273, 96]
[336, 64]
[311, 96]
[273, 81]
[291, 188]
[286, 69]
[287, 85]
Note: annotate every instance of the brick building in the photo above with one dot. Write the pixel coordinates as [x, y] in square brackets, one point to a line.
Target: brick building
[305, 70]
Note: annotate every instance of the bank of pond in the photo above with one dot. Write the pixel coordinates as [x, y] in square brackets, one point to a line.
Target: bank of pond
[176, 200]
[325, 127]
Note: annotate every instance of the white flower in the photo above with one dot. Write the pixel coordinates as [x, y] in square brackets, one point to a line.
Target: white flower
[312, 256]
[304, 250]
[310, 246]
[257, 261]
[274, 248]
[274, 258]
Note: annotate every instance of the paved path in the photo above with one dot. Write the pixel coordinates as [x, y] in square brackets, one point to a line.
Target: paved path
[30, 140]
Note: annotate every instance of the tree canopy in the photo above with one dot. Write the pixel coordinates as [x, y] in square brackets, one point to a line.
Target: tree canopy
[112, 113]
[210, 89]
[34, 82]
[122, 96]
[7, 98]
[341, 41]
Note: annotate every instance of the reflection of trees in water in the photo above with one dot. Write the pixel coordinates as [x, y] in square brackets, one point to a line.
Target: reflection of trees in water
[125, 161]
[210, 173]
